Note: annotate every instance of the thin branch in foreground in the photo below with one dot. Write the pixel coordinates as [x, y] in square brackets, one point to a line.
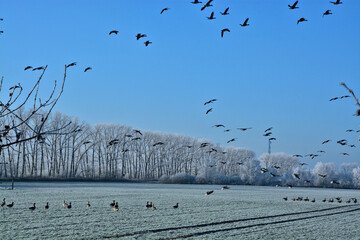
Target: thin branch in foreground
[353, 95]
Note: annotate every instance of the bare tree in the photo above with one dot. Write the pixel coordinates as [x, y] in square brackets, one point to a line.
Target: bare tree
[16, 129]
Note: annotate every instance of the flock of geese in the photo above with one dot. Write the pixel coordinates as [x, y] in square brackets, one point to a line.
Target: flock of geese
[330, 200]
[114, 205]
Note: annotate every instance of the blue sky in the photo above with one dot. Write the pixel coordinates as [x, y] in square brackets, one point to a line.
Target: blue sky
[271, 73]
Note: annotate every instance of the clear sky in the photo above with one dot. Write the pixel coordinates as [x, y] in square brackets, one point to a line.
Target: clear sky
[273, 73]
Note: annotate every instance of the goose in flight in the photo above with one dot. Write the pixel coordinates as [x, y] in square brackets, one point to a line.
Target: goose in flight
[326, 141]
[147, 43]
[38, 68]
[226, 12]
[139, 35]
[137, 131]
[301, 20]
[224, 30]
[294, 5]
[210, 101]
[333, 99]
[195, 2]
[164, 9]
[209, 192]
[322, 175]
[244, 129]
[267, 134]
[87, 69]
[158, 143]
[218, 125]
[328, 12]
[27, 68]
[208, 4]
[269, 129]
[296, 175]
[71, 64]
[337, 2]
[231, 140]
[297, 155]
[211, 16]
[113, 31]
[209, 110]
[245, 23]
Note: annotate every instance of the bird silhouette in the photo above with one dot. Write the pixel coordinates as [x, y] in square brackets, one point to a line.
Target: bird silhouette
[294, 5]
[244, 129]
[350, 130]
[326, 141]
[139, 35]
[211, 16]
[196, 2]
[269, 129]
[164, 9]
[209, 110]
[296, 175]
[112, 204]
[301, 20]
[345, 154]
[328, 12]
[176, 205]
[27, 68]
[147, 43]
[218, 125]
[208, 4]
[87, 69]
[138, 131]
[297, 155]
[333, 99]
[231, 140]
[226, 12]
[245, 23]
[267, 134]
[33, 207]
[10, 205]
[224, 30]
[264, 170]
[47, 206]
[322, 175]
[38, 68]
[158, 143]
[346, 96]
[337, 2]
[210, 101]
[334, 182]
[71, 64]
[209, 192]
[272, 139]
[113, 31]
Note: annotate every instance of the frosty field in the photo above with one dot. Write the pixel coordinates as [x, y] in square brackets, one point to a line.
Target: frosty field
[242, 212]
